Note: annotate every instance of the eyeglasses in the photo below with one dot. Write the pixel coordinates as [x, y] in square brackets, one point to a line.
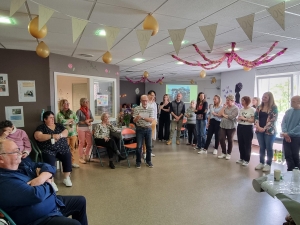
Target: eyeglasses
[11, 153]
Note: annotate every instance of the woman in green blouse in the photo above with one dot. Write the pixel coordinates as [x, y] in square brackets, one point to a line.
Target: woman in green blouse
[69, 119]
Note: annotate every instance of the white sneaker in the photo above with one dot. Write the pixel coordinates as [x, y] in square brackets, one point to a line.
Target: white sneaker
[54, 186]
[215, 152]
[75, 165]
[202, 152]
[144, 156]
[81, 160]
[152, 155]
[245, 163]
[222, 156]
[240, 161]
[266, 168]
[228, 156]
[259, 166]
[67, 182]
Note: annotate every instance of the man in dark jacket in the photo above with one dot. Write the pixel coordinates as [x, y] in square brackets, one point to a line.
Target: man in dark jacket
[27, 195]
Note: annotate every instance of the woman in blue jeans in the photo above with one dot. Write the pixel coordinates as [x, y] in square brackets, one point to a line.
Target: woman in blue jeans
[201, 121]
[265, 121]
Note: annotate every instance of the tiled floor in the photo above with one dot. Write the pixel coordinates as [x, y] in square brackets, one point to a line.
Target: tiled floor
[182, 188]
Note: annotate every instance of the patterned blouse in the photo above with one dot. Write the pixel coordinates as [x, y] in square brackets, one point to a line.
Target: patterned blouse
[72, 131]
[230, 122]
[102, 131]
[60, 146]
[271, 120]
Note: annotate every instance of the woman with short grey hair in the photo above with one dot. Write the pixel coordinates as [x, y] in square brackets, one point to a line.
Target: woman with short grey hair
[191, 124]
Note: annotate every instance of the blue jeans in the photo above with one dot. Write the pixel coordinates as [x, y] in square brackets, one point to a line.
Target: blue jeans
[201, 133]
[265, 141]
[142, 133]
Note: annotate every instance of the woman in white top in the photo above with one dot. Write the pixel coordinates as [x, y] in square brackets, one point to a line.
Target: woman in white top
[245, 131]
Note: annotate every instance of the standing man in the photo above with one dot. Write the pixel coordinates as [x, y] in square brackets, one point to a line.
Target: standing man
[291, 133]
[177, 110]
[143, 117]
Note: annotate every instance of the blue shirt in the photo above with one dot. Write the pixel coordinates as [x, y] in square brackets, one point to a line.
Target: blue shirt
[25, 204]
[291, 122]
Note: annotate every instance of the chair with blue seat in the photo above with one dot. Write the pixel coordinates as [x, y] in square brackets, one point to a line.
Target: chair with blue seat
[5, 219]
[127, 134]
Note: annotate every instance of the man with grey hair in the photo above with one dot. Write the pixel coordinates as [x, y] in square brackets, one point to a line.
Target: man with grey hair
[291, 133]
[143, 117]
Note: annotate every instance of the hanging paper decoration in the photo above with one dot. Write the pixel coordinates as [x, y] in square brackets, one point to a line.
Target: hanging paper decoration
[143, 37]
[70, 65]
[15, 5]
[209, 33]
[212, 64]
[278, 14]
[111, 35]
[144, 79]
[78, 26]
[177, 37]
[44, 15]
[246, 23]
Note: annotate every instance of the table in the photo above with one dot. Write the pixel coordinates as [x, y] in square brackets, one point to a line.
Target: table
[282, 191]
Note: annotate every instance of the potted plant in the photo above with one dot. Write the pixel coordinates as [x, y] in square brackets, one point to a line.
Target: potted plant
[126, 118]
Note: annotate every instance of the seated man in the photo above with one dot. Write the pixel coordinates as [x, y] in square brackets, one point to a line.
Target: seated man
[27, 196]
[9, 131]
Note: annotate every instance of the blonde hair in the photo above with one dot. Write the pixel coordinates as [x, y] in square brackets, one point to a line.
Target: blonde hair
[61, 104]
[271, 101]
[257, 99]
[82, 100]
[230, 97]
[103, 114]
[220, 100]
[167, 96]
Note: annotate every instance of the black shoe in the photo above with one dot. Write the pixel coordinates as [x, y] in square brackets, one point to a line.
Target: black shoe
[120, 158]
[111, 165]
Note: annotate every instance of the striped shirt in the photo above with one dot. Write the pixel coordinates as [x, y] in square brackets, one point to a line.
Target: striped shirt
[144, 113]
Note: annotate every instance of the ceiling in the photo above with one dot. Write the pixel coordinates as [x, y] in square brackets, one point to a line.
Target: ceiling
[170, 14]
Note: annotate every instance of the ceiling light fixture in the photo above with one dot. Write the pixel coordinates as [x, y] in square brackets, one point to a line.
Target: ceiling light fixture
[100, 33]
[183, 42]
[86, 55]
[180, 63]
[235, 49]
[6, 20]
[138, 59]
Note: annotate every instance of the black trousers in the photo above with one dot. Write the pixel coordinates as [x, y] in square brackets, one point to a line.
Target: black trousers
[110, 146]
[213, 129]
[163, 128]
[229, 133]
[291, 151]
[75, 207]
[65, 159]
[245, 136]
[192, 133]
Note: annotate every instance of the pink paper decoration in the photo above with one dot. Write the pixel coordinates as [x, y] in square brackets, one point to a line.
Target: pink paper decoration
[70, 66]
[106, 70]
[144, 79]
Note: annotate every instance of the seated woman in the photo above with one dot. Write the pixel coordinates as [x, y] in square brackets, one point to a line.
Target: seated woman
[9, 131]
[52, 140]
[102, 138]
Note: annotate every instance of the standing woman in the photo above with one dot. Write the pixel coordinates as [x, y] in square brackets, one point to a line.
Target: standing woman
[229, 112]
[191, 124]
[152, 104]
[85, 118]
[213, 124]
[201, 121]
[255, 102]
[265, 121]
[69, 119]
[164, 119]
[245, 130]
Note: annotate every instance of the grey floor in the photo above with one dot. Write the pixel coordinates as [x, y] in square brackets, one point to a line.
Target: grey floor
[182, 188]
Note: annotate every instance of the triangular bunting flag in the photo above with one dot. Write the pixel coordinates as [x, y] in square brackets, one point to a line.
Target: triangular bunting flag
[246, 23]
[143, 37]
[111, 35]
[177, 37]
[15, 5]
[44, 15]
[209, 33]
[78, 26]
[278, 13]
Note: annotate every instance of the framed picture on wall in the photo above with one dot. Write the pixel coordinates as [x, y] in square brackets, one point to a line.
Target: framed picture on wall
[3, 85]
[15, 114]
[26, 89]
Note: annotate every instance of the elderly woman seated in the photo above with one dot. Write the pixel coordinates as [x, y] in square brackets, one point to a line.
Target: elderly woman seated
[9, 131]
[52, 140]
[102, 138]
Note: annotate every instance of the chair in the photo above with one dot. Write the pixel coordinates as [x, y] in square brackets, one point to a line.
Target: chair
[6, 218]
[132, 147]
[183, 128]
[36, 153]
[131, 126]
[98, 149]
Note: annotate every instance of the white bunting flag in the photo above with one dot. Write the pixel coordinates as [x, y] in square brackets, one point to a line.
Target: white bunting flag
[177, 37]
[44, 15]
[278, 13]
[78, 26]
[143, 37]
[111, 35]
[15, 5]
[246, 23]
[209, 33]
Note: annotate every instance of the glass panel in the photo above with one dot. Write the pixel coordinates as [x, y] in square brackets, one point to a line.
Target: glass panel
[103, 98]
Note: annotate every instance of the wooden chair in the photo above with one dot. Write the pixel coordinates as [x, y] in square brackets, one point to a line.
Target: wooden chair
[5, 219]
[132, 147]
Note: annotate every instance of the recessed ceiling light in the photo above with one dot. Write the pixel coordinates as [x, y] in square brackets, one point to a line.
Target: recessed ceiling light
[183, 42]
[100, 33]
[86, 55]
[138, 59]
[180, 63]
[235, 49]
[6, 20]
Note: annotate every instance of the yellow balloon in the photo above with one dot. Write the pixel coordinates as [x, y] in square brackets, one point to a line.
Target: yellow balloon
[160, 82]
[107, 57]
[42, 50]
[33, 29]
[146, 74]
[150, 23]
[202, 74]
[213, 80]
[247, 68]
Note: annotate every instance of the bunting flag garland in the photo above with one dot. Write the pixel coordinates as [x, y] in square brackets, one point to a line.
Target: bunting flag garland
[144, 79]
[209, 33]
[212, 64]
[44, 15]
[246, 23]
[78, 26]
[177, 37]
[111, 35]
[143, 37]
[278, 13]
[15, 5]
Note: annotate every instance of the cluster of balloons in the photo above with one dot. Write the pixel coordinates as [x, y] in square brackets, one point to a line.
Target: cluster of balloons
[42, 49]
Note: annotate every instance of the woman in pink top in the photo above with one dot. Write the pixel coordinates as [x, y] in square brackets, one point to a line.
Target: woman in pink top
[9, 131]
